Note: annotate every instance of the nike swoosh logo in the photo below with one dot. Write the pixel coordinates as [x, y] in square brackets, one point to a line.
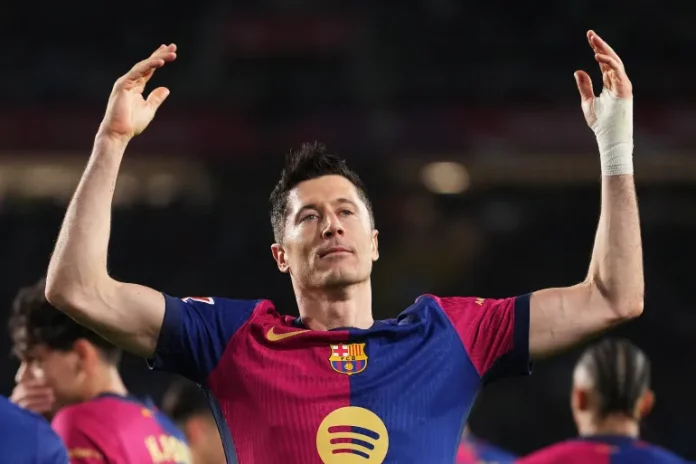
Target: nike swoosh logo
[274, 337]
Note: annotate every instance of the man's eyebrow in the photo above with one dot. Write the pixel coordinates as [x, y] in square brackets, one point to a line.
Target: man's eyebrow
[314, 206]
[345, 201]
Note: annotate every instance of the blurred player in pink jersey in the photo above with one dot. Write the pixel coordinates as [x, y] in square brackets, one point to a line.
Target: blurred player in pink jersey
[71, 374]
[186, 403]
[611, 394]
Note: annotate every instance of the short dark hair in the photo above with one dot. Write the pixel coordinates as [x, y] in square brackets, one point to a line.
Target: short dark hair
[621, 374]
[312, 160]
[34, 321]
[183, 400]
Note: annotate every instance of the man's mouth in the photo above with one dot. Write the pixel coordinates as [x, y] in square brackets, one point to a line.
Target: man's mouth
[333, 251]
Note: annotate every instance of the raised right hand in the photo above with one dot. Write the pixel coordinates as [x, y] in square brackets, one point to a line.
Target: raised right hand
[128, 113]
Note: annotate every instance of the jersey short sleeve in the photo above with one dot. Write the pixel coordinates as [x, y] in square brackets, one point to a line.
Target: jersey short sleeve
[494, 332]
[195, 333]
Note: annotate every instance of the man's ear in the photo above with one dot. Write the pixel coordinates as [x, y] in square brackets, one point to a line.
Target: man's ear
[580, 400]
[646, 404]
[375, 245]
[280, 257]
[87, 354]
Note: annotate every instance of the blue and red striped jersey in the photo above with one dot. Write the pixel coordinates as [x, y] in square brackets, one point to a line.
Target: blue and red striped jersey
[398, 392]
[118, 429]
[603, 449]
[26, 438]
[473, 450]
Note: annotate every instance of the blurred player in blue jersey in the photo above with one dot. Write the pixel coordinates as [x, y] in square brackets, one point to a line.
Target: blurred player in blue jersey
[187, 405]
[26, 438]
[611, 394]
[335, 385]
[473, 450]
[71, 374]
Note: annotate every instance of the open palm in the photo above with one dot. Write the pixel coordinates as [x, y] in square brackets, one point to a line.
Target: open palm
[614, 77]
[128, 113]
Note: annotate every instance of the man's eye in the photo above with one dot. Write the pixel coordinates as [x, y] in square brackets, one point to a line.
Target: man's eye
[346, 212]
[308, 217]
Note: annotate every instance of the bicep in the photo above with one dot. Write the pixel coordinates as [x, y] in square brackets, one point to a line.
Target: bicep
[128, 315]
[563, 317]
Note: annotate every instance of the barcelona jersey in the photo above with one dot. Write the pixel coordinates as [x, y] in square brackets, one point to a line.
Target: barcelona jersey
[603, 449]
[118, 429]
[398, 392]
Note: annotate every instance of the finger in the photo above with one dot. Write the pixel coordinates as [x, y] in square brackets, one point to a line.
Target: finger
[147, 67]
[33, 394]
[165, 48]
[165, 52]
[590, 34]
[159, 49]
[157, 97]
[609, 62]
[31, 383]
[584, 85]
[36, 406]
[25, 400]
[600, 46]
[139, 75]
[606, 80]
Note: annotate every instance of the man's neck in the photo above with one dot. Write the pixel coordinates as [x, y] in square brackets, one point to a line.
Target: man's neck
[105, 380]
[612, 425]
[347, 307]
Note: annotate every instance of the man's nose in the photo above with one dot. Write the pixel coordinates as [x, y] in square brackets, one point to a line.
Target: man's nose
[332, 227]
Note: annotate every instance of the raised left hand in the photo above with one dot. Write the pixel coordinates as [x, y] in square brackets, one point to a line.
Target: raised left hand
[614, 77]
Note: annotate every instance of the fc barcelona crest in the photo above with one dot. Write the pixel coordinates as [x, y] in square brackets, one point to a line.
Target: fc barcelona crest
[348, 358]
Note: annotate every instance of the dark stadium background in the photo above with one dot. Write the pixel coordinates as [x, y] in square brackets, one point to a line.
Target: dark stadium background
[393, 86]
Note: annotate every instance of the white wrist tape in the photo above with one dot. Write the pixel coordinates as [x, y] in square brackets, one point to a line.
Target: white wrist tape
[614, 131]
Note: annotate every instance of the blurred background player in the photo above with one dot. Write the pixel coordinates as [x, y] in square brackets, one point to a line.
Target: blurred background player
[26, 438]
[611, 394]
[71, 374]
[473, 450]
[187, 405]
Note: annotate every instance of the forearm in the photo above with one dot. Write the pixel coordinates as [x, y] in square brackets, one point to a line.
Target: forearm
[616, 268]
[79, 262]
[611, 294]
